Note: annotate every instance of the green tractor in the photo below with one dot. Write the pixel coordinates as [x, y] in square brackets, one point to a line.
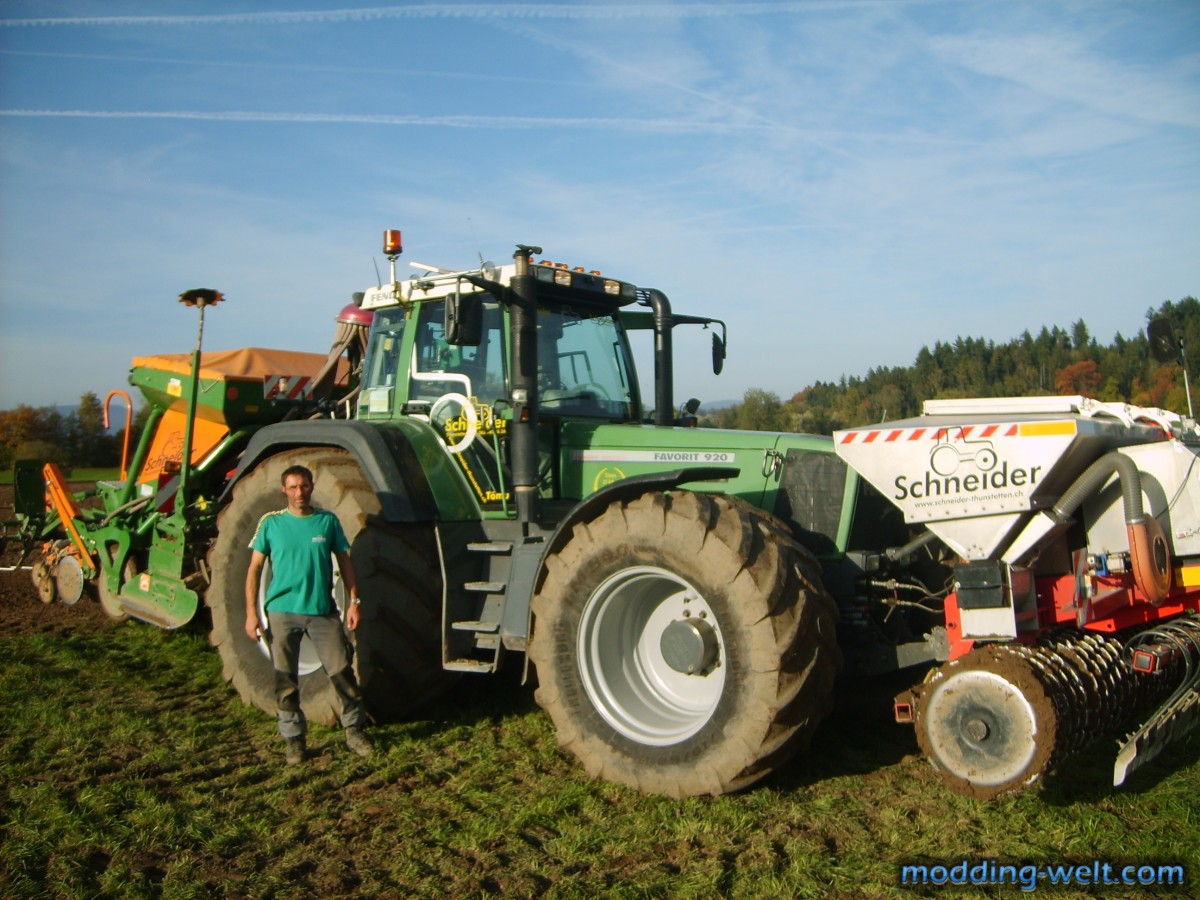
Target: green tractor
[487, 450]
[504, 492]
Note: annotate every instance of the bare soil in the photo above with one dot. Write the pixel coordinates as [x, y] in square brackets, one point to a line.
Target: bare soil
[21, 610]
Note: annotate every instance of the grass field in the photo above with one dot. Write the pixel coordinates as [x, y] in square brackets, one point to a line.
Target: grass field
[130, 769]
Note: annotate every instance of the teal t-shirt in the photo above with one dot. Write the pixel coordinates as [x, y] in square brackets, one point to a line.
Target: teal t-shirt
[301, 551]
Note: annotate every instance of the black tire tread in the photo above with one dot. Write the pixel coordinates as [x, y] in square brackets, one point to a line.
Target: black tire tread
[785, 618]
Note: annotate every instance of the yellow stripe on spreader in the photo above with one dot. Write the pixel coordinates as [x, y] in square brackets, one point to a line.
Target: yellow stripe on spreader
[1042, 429]
[1188, 576]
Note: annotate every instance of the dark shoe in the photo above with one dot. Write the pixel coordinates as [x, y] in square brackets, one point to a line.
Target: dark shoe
[358, 742]
[294, 751]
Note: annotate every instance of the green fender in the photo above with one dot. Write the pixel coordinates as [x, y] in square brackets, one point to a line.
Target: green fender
[404, 461]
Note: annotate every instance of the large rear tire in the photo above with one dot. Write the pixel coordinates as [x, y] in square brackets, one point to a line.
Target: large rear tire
[398, 642]
[683, 644]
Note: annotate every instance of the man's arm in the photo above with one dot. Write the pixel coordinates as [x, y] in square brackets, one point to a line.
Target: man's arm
[350, 583]
[253, 626]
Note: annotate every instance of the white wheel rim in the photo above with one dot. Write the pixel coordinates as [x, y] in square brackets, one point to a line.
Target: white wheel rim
[309, 660]
[622, 665]
[1004, 744]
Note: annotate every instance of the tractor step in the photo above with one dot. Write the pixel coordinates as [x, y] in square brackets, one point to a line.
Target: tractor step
[482, 667]
[497, 547]
[479, 626]
[485, 587]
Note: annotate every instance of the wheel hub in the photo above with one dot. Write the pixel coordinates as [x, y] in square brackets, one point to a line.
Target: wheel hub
[689, 645]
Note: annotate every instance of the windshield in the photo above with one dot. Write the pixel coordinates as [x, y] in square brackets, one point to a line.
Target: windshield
[383, 354]
[583, 369]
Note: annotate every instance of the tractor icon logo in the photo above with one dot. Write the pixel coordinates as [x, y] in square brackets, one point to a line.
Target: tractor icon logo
[949, 453]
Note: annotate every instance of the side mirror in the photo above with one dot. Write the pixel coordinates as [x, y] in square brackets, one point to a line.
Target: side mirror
[464, 319]
[718, 354]
[1163, 345]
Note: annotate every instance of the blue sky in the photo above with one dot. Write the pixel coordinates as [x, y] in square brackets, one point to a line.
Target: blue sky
[843, 181]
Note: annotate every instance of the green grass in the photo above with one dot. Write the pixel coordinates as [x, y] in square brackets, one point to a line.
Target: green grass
[129, 769]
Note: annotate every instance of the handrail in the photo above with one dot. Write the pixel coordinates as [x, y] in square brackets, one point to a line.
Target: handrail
[128, 427]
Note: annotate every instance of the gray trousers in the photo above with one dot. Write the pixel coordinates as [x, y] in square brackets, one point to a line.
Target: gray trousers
[329, 639]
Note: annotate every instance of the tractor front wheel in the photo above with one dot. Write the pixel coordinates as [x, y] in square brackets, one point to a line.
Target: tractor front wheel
[683, 644]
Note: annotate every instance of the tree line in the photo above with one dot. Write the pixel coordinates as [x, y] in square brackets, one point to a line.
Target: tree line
[71, 439]
[1055, 361]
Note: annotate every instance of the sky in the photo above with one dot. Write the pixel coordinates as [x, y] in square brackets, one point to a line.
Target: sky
[842, 181]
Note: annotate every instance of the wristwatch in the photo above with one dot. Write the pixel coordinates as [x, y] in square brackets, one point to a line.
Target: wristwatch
[356, 601]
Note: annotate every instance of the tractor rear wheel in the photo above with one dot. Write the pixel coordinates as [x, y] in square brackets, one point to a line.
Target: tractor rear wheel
[398, 643]
[683, 644]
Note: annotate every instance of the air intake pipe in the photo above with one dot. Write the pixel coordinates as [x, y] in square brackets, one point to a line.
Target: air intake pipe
[1150, 557]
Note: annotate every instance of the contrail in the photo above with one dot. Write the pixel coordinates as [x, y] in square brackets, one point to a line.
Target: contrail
[493, 122]
[192, 62]
[477, 11]
[676, 126]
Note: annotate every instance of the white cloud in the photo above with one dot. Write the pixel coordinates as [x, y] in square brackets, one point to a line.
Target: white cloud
[1062, 69]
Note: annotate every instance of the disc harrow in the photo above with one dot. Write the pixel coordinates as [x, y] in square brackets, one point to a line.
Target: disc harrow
[1000, 717]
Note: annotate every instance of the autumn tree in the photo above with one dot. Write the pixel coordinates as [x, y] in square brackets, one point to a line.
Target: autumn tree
[1081, 377]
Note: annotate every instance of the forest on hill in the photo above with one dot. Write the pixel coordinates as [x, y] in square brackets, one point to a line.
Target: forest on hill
[1052, 362]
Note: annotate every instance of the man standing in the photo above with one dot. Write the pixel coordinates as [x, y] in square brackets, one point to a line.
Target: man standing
[299, 541]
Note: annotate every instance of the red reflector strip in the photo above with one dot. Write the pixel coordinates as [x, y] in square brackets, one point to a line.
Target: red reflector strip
[943, 434]
[285, 387]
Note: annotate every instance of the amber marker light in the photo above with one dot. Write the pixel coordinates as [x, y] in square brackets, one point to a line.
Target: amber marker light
[392, 245]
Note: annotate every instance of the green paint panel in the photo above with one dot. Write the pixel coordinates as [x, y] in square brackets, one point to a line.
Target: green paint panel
[594, 456]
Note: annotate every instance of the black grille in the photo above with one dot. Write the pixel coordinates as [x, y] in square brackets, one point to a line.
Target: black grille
[810, 497]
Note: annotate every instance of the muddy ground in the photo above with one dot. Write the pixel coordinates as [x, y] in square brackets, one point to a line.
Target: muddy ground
[21, 612]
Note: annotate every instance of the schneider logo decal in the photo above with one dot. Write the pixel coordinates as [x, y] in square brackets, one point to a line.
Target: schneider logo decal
[948, 456]
[963, 462]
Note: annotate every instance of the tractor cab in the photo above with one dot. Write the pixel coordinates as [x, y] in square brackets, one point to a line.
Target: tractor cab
[442, 350]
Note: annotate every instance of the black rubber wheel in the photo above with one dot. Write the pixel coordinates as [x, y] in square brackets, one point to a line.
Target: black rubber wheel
[398, 643]
[684, 644]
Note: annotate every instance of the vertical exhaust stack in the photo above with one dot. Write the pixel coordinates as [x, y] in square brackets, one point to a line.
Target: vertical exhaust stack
[524, 385]
[664, 387]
